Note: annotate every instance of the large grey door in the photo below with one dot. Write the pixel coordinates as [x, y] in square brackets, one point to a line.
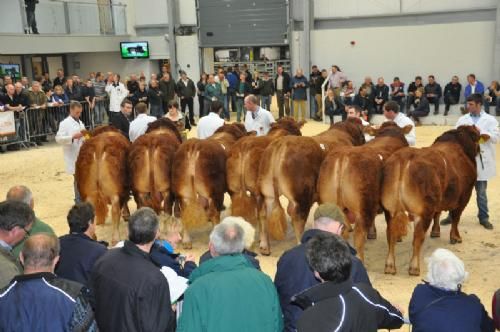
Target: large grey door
[242, 22]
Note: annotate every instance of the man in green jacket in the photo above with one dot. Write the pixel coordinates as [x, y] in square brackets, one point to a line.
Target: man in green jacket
[227, 293]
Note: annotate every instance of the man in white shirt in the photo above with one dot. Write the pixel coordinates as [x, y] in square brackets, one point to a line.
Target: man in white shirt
[117, 93]
[71, 137]
[391, 113]
[139, 126]
[485, 160]
[257, 119]
[210, 123]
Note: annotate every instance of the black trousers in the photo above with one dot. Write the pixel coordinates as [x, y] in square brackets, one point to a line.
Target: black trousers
[435, 101]
[449, 100]
[188, 101]
[30, 15]
[201, 102]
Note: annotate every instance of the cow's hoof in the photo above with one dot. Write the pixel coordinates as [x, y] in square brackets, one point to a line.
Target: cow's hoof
[399, 239]
[414, 271]
[265, 251]
[187, 245]
[390, 269]
[455, 240]
[435, 234]
[371, 236]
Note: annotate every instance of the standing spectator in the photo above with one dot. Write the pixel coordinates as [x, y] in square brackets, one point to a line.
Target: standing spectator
[256, 85]
[336, 80]
[30, 14]
[59, 96]
[392, 113]
[266, 91]
[60, 79]
[248, 77]
[452, 93]
[100, 99]
[140, 95]
[318, 94]
[364, 101]
[398, 93]
[178, 119]
[16, 221]
[167, 88]
[439, 303]
[244, 89]
[132, 85]
[187, 91]
[421, 107]
[293, 274]
[233, 79]
[202, 83]
[486, 158]
[23, 194]
[88, 94]
[282, 84]
[73, 91]
[299, 86]
[79, 249]
[140, 124]
[313, 77]
[70, 135]
[121, 120]
[433, 92]
[491, 98]
[26, 83]
[131, 294]
[15, 101]
[414, 86]
[46, 82]
[164, 72]
[213, 121]
[38, 300]
[381, 95]
[155, 99]
[117, 93]
[224, 85]
[339, 303]
[212, 92]
[38, 104]
[257, 119]
[227, 293]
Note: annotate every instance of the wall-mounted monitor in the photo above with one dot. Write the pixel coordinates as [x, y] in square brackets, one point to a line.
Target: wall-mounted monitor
[134, 50]
[13, 70]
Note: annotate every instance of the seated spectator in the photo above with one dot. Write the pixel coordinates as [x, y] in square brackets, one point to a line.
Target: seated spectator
[227, 293]
[178, 119]
[23, 194]
[496, 309]
[452, 93]
[414, 86]
[392, 113]
[163, 251]
[473, 87]
[339, 303]
[38, 300]
[398, 93]
[59, 96]
[248, 237]
[491, 98]
[131, 294]
[420, 107]
[348, 93]
[368, 84]
[79, 249]
[207, 125]
[293, 274]
[433, 92]
[140, 124]
[16, 221]
[331, 107]
[381, 95]
[439, 303]
[364, 101]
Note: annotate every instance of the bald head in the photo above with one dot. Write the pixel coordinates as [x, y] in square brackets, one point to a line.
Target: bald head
[20, 194]
[40, 253]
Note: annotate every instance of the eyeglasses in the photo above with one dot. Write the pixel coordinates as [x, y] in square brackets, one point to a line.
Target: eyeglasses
[27, 232]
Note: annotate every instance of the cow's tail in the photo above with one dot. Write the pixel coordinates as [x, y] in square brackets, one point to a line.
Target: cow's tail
[193, 214]
[242, 204]
[400, 223]
[277, 220]
[155, 196]
[101, 207]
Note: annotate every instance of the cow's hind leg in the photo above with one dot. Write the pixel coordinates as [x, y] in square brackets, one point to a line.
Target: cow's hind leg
[396, 227]
[418, 239]
[454, 234]
[436, 229]
[115, 217]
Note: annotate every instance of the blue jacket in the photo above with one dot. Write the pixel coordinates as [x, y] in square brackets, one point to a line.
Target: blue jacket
[233, 80]
[294, 275]
[163, 257]
[299, 93]
[434, 309]
[78, 255]
[479, 89]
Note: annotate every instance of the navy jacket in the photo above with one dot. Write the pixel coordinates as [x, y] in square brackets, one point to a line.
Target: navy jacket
[294, 275]
[78, 255]
[434, 309]
[299, 93]
[161, 257]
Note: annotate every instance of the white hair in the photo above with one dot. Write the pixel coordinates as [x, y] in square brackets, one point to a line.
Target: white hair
[227, 239]
[248, 229]
[445, 270]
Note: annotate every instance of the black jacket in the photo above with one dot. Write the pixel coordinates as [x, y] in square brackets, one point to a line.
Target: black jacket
[433, 89]
[188, 91]
[161, 257]
[132, 87]
[75, 93]
[154, 96]
[421, 105]
[316, 80]
[78, 256]
[266, 87]
[381, 92]
[121, 122]
[131, 294]
[345, 307]
[453, 90]
[140, 97]
[365, 103]
[168, 90]
[293, 275]
[286, 83]
[413, 87]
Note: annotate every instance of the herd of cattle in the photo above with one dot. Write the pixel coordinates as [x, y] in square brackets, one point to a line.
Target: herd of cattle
[190, 179]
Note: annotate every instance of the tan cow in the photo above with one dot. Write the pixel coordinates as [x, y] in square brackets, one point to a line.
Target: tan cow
[423, 182]
[101, 174]
[290, 167]
[351, 177]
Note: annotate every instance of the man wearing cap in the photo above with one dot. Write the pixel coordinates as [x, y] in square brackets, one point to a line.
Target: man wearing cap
[293, 273]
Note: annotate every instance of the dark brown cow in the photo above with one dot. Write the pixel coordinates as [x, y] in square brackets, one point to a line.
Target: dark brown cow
[422, 183]
[351, 177]
[101, 174]
[150, 163]
[199, 177]
[290, 167]
[242, 169]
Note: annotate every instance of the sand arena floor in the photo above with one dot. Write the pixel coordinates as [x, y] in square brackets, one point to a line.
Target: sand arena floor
[42, 169]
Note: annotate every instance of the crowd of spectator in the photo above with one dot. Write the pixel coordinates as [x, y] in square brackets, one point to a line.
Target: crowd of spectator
[75, 282]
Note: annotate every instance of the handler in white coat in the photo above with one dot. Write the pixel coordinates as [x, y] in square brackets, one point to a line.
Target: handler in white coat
[117, 92]
[257, 119]
[485, 160]
[71, 137]
[392, 113]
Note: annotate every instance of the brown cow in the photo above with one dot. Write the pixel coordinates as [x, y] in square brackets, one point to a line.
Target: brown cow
[351, 177]
[422, 183]
[150, 164]
[290, 167]
[199, 177]
[101, 174]
[242, 172]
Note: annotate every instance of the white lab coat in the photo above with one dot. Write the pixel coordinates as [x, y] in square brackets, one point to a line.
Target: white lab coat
[402, 121]
[139, 126]
[67, 128]
[209, 124]
[262, 122]
[487, 124]
[116, 95]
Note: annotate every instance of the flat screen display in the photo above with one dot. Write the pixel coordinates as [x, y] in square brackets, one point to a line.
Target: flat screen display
[13, 70]
[134, 50]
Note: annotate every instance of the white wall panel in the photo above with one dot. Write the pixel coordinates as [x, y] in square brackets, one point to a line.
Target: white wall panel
[187, 12]
[416, 6]
[11, 17]
[148, 12]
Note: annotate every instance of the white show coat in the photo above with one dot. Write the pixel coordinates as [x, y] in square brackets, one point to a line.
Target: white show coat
[209, 124]
[116, 95]
[67, 128]
[262, 122]
[402, 121]
[139, 126]
[487, 124]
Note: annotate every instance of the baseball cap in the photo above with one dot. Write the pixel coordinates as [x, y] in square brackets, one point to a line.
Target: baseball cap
[329, 210]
